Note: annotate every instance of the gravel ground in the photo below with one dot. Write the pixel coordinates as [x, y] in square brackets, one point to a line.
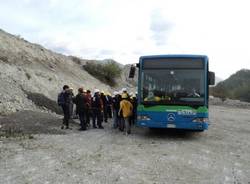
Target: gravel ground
[219, 155]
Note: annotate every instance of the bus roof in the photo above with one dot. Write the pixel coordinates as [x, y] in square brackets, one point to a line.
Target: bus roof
[174, 56]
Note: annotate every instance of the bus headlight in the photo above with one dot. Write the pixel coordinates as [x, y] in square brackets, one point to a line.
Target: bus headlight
[143, 118]
[200, 120]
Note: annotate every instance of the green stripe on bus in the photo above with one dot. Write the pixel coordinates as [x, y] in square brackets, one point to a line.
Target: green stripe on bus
[164, 108]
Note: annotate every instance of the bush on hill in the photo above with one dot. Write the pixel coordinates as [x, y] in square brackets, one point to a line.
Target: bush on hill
[106, 72]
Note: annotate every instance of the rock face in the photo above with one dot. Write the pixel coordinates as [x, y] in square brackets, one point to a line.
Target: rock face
[27, 67]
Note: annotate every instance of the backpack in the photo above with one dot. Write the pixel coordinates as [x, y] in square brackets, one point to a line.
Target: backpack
[60, 99]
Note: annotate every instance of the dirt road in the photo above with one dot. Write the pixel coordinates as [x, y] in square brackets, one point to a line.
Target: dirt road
[219, 155]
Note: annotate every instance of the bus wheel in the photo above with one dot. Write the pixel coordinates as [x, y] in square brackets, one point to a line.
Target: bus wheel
[198, 130]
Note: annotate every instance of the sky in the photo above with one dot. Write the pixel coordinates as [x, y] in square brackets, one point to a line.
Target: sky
[124, 30]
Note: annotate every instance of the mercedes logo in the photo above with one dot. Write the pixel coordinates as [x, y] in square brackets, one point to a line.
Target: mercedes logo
[171, 117]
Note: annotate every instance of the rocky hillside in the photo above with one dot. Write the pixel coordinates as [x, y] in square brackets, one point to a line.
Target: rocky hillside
[29, 72]
[235, 87]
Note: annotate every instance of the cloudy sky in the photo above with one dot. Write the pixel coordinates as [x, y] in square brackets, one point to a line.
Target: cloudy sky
[126, 29]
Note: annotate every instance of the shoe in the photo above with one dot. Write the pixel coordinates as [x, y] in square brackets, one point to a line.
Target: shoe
[129, 132]
[82, 129]
[94, 126]
[121, 129]
[62, 127]
[69, 128]
[101, 127]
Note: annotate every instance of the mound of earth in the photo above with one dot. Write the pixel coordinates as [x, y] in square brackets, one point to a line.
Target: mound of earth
[30, 122]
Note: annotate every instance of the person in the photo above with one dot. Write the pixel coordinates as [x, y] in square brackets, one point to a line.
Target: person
[109, 105]
[71, 105]
[81, 100]
[97, 109]
[64, 101]
[134, 103]
[116, 107]
[124, 90]
[88, 109]
[105, 107]
[126, 108]
[120, 117]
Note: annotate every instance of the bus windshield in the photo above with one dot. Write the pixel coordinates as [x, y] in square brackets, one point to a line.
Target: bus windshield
[173, 86]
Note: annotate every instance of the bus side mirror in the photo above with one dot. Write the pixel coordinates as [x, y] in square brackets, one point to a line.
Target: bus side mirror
[211, 78]
[132, 71]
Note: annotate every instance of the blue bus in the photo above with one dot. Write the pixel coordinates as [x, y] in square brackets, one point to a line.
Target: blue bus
[173, 91]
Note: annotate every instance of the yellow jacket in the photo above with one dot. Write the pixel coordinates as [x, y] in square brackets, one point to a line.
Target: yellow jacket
[126, 107]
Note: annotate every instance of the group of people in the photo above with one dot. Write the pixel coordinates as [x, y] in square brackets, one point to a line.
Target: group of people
[99, 107]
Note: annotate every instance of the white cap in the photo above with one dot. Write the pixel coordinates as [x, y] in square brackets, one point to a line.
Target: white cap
[96, 91]
[131, 94]
[116, 93]
[124, 89]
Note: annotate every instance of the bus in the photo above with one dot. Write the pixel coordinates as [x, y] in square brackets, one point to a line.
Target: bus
[173, 91]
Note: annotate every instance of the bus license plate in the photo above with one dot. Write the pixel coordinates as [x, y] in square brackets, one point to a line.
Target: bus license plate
[171, 126]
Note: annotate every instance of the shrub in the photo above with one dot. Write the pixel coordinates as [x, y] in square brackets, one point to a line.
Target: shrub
[14, 132]
[28, 75]
[106, 72]
[76, 60]
[4, 59]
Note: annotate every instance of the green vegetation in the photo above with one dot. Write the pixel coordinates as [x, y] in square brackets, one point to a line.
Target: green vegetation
[106, 72]
[237, 86]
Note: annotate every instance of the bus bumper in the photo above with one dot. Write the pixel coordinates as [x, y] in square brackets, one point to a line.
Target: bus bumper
[175, 125]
